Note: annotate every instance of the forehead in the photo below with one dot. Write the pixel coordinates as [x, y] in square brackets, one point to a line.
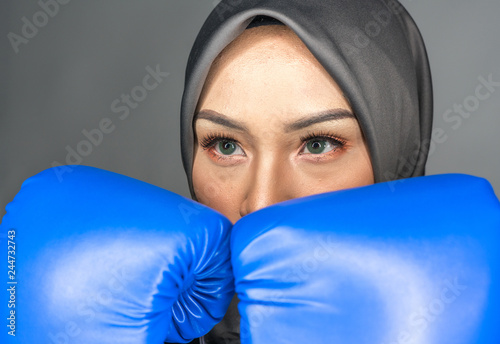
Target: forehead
[269, 67]
[255, 43]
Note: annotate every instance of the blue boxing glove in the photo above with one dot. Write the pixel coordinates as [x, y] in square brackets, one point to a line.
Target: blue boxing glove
[417, 261]
[103, 258]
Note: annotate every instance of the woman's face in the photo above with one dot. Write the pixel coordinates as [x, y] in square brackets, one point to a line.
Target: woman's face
[271, 125]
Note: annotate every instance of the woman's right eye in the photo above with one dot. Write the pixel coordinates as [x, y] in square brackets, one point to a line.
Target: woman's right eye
[228, 147]
[219, 146]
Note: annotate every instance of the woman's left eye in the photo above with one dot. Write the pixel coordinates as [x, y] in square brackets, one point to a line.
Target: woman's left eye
[321, 145]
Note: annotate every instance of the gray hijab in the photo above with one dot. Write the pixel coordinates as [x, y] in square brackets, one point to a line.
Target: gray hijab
[371, 48]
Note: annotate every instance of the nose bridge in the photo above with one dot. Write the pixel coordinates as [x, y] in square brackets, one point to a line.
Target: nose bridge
[267, 185]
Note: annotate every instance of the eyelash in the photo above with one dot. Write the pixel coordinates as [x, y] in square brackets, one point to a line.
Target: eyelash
[210, 140]
[335, 139]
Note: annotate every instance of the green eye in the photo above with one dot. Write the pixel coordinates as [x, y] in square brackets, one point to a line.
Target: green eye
[226, 147]
[317, 146]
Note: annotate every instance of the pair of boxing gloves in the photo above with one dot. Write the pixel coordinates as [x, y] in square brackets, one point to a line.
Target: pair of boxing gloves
[102, 258]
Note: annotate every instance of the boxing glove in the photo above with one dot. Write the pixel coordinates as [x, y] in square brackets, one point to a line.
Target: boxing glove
[414, 261]
[103, 258]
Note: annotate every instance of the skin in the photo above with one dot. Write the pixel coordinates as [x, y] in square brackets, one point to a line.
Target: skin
[272, 125]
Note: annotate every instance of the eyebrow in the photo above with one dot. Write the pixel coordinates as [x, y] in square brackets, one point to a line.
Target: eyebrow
[315, 118]
[319, 117]
[218, 118]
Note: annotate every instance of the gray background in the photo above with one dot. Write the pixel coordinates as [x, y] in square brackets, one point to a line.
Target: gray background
[66, 77]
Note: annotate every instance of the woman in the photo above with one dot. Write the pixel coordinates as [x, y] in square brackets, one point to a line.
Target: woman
[285, 99]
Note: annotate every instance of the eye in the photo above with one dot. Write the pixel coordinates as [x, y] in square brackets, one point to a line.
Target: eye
[227, 147]
[317, 144]
[221, 146]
